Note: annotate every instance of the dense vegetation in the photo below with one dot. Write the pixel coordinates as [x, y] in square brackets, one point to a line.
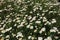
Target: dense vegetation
[29, 20]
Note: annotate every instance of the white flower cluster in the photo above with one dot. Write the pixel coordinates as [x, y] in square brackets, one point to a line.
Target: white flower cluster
[48, 38]
[54, 29]
[42, 30]
[19, 34]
